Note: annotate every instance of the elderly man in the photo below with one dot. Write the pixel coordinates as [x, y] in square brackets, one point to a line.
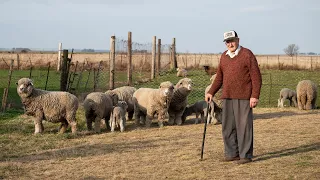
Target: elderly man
[240, 76]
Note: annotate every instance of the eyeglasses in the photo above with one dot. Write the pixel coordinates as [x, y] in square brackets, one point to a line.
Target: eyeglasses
[230, 41]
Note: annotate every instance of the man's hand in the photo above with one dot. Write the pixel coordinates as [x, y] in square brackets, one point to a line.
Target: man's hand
[254, 102]
[208, 97]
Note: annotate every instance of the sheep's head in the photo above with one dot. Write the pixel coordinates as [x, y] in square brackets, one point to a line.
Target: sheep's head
[24, 87]
[123, 105]
[185, 83]
[166, 88]
[114, 96]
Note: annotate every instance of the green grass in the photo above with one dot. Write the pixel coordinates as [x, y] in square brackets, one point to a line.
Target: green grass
[273, 82]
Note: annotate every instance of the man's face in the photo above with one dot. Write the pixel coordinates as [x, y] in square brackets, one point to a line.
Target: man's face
[232, 44]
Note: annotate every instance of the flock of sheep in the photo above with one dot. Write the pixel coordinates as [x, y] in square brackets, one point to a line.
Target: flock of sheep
[304, 98]
[115, 106]
[121, 104]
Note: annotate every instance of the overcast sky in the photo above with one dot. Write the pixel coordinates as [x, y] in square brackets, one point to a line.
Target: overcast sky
[265, 27]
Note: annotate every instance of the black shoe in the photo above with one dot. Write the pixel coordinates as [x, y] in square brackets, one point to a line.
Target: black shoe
[227, 159]
[244, 161]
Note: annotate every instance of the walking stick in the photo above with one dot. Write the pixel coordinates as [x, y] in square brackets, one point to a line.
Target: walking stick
[204, 132]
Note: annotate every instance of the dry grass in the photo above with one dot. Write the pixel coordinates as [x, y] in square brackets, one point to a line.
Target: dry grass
[286, 146]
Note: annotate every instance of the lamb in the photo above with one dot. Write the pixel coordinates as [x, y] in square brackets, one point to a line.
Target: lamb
[148, 102]
[97, 106]
[118, 116]
[199, 108]
[181, 72]
[289, 94]
[179, 101]
[125, 93]
[53, 106]
[307, 95]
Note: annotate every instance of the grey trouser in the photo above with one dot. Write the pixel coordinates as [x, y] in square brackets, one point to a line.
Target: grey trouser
[237, 128]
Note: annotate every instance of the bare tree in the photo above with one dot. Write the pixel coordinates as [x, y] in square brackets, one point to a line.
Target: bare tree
[291, 50]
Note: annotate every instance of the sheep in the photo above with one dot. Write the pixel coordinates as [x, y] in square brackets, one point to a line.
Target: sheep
[179, 101]
[118, 116]
[97, 106]
[216, 98]
[289, 94]
[199, 108]
[216, 104]
[148, 102]
[181, 72]
[53, 106]
[125, 93]
[209, 70]
[307, 95]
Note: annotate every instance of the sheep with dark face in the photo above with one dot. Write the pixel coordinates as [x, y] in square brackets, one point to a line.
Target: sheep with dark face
[118, 116]
[179, 101]
[97, 106]
[289, 94]
[53, 106]
[307, 95]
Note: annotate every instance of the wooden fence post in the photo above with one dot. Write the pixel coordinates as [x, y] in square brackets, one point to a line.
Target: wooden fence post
[18, 61]
[153, 59]
[6, 90]
[64, 71]
[45, 88]
[59, 57]
[129, 55]
[112, 61]
[173, 62]
[159, 57]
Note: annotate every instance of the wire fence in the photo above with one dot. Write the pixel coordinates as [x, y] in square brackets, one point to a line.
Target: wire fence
[89, 76]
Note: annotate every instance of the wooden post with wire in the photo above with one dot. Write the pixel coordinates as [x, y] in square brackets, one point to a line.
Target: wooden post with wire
[112, 61]
[129, 56]
[159, 57]
[153, 61]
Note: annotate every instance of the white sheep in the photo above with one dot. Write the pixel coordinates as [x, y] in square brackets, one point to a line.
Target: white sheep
[307, 95]
[216, 98]
[179, 101]
[97, 106]
[181, 72]
[118, 116]
[53, 106]
[289, 94]
[125, 93]
[148, 102]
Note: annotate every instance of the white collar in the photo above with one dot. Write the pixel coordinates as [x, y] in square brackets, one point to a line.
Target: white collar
[233, 54]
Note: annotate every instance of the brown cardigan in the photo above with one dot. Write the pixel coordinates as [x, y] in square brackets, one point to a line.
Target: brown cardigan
[240, 76]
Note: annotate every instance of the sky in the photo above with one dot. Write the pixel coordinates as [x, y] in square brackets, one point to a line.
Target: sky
[265, 27]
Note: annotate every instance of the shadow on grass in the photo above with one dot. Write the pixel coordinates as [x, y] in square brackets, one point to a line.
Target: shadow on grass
[272, 115]
[288, 152]
[91, 150]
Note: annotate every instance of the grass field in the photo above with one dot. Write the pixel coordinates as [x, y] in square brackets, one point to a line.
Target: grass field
[286, 146]
[273, 82]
